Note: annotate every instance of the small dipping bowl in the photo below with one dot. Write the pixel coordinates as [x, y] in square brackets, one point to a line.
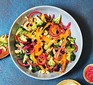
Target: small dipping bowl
[88, 73]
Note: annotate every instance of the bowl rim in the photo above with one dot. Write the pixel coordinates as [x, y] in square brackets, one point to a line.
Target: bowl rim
[57, 8]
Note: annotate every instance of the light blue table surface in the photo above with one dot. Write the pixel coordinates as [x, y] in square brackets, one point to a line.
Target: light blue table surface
[81, 10]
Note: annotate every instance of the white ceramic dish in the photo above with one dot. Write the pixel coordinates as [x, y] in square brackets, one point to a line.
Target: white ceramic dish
[66, 17]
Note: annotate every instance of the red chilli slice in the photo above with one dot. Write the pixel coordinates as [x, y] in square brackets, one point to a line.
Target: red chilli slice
[42, 56]
[21, 64]
[76, 47]
[33, 13]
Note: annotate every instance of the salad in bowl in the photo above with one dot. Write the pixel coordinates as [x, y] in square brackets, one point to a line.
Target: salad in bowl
[45, 42]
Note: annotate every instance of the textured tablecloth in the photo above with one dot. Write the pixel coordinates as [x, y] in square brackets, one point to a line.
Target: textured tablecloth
[81, 10]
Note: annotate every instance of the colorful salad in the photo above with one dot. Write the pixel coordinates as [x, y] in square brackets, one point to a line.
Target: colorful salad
[4, 46]
[44, 44]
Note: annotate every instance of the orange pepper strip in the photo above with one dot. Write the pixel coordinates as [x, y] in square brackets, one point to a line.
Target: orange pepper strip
[62, 46]
[38, 34]
[37, 51]
[57, 61]
[66, 34]
[46, 39]
[50, 50]
[57, 53]
[38, 45]
[64, 56]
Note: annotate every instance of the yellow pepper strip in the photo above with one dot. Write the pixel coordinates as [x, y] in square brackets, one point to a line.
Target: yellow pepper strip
[49, 23]
[38, 31]
[64, 56]
[38, 34]
[48, 58]
[43, 18]
[32, 56]
[41, 67]
[46, 39]
[50, 50]
[66, 34]
[30, 36]
[6, 39]
[46, 69]
[39, 52]
[49, 44]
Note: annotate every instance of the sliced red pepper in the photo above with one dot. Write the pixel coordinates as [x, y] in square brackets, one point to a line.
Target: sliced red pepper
[42, 59]
[31, 51]
[21, 64]
[57, 29]
[33, 13]
[68, 26]
[20, 41]
[46, 15]
[24, 65]
[29, 47]
[76, 47]
[53, 16]
[50, 69]
[65, 27]
[0, 51]
[61, 23]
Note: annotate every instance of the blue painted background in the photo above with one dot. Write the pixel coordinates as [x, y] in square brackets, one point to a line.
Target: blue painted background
[81, 10]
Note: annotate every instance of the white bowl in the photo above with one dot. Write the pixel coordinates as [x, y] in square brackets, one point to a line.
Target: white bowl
[66, 17]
